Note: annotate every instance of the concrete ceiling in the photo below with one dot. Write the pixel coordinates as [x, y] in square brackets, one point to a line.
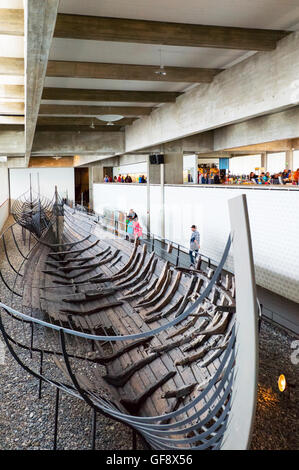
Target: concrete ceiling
[269, 14]
[257, 14]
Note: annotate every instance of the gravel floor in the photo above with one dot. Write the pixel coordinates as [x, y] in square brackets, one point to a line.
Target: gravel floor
[28, 423]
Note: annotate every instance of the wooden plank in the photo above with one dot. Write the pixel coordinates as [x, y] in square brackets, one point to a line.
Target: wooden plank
[62, 68]
[12, 21]
[79, 94]
[173, 34]
[81, 110]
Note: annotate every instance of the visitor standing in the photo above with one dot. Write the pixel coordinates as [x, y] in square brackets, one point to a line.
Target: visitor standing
[194, 244]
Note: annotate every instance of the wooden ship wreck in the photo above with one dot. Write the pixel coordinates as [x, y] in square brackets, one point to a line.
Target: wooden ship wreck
[169, 351]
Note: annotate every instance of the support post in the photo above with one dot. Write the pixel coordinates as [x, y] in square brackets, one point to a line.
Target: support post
[93, 429]
[148, 196]
[289, 162]
[41, 373]
[56, 419]
[264, 160]
[162, 175]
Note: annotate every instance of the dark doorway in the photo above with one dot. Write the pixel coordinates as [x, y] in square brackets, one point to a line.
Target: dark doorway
[82, 186]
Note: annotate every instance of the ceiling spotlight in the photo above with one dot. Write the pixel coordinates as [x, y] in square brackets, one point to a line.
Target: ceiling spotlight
[109, 123]
[56, 157]
[161, 71]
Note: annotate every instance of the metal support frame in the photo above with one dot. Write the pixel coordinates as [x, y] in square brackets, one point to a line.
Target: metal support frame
[41, 373]
[93, 429]
[56, 419]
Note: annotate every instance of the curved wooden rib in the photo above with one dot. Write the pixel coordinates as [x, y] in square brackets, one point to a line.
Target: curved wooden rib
[121, 379]
[158, 287]
[94, 356]
[136, 271]
[167, 312]
[161, 293]
[133, 405]
[142, 274]
[78, 260]
[186, 297]
[169, 296]
[138, 290]
[124, 269]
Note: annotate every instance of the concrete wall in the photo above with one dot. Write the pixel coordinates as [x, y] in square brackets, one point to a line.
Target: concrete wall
[273, 218]
[4, 196]
[63, 178]
[283, 125]
[134, 168]
[70, 143]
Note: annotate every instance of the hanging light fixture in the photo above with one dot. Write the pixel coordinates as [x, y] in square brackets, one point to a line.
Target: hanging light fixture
[110, 119]
[92, 126]
[161, 71]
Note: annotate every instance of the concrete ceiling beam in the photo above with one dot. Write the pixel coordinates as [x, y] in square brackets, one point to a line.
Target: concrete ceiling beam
[63, 68]
[11, 108]
[11, 66]
[79, 121]
[12, 92]
[40, 19]
[12, 21]
[164, 33]
[77, 94]
[77, 110]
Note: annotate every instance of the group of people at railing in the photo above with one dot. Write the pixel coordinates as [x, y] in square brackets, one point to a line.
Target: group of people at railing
[125, 179]
[283, 177]
[215, 176]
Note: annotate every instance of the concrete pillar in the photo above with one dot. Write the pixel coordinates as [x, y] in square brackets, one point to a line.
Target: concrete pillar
[264, 160]
[289, 161]
[98, 174]
[148, 196]
[195, 168]
[174, 167]
[90, 182]
[153, 173]
[162, 179]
